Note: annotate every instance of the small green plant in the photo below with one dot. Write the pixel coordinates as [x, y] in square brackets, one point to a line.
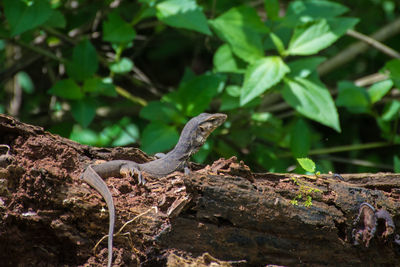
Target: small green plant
[304, 193]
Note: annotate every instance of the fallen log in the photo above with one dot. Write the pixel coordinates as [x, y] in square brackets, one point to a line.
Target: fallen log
[222, 214]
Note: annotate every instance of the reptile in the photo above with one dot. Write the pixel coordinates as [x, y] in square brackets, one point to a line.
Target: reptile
[192, 137]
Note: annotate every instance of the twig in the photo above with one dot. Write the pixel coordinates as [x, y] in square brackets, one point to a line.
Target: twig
[142, 77]
[338, 149]
[39, 50]
[358, 162]
[374, 43]
[353, 50]
[60, 35]
[18, 66]
[123, 226]
[370, 79]
[15, 102]
[129, 96]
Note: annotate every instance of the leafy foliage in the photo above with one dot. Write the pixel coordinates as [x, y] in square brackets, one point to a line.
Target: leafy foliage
[136, 71]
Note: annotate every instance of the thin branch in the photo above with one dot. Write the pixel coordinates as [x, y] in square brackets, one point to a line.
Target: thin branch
[338, 149]
[127, 95]
[40, 51]
[60, 35]
[358, 162]
[349, 148]
[370, 79]
[355, 49]
[25, 61]
[139, 75]
[374, 43]
[125, 224]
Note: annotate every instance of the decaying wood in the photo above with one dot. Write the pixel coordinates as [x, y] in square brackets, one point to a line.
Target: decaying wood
[222, 214]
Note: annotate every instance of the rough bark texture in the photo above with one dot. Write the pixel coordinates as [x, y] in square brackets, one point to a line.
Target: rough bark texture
[222, 214]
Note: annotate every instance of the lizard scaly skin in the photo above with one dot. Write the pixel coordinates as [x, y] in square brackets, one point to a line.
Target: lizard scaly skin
[193, 136]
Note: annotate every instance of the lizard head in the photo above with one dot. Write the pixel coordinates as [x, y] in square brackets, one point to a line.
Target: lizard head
[196, 131]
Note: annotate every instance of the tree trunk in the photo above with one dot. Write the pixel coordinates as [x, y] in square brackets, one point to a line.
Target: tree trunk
[221, 214]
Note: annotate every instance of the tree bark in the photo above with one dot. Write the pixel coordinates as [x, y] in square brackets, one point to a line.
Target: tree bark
[222, 214]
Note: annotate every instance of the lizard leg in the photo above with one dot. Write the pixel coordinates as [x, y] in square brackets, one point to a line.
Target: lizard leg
[130, 169]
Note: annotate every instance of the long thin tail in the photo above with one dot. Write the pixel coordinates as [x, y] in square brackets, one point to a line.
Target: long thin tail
[94, 180]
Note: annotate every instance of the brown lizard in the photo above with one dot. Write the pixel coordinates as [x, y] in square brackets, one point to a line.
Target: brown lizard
[192, 137]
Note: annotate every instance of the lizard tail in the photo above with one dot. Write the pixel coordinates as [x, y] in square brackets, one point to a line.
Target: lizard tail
[94, 180]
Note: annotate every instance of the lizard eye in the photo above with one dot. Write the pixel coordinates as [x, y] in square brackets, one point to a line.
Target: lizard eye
[202, 129]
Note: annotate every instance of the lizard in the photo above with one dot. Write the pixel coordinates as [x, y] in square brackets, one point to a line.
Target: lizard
[193, 136]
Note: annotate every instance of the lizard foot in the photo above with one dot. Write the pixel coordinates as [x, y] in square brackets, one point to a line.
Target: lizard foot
[131, 169]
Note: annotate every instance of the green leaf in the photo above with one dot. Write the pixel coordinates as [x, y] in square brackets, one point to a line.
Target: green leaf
[230, 101]
[265, 117]
[194, 96]
[83, 136]
[160, 111]
[310, 38]
[278, 43]
[300, 139]
[122, 133]
[304, 67]
[312, 99]
[225, 61]
[116, 30]
[84, 61]
[393, 66]
[242, 17]
[25, 82]
[272, 9]
[379, 90]
[184, 14]
[241, 28]
[262, 75]
[67, 89]
[123, 66]
[396, 163]
[98, 86]
[391, 110]
[84, 111]
[307, 164]
[354, 98]
[230, 98]
[56, 20]
[305, 11]
[129, 135]
[157, 137]
[233, 90]
[26, 15]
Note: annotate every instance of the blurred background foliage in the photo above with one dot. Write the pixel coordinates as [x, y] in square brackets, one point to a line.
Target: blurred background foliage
[296, 78]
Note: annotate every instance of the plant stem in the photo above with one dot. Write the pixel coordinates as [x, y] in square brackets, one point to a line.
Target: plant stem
[348, 148]
[378, 45]
[40, 51]
[351, 52]
[359, 162]
[131, 97]
[338, 149]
